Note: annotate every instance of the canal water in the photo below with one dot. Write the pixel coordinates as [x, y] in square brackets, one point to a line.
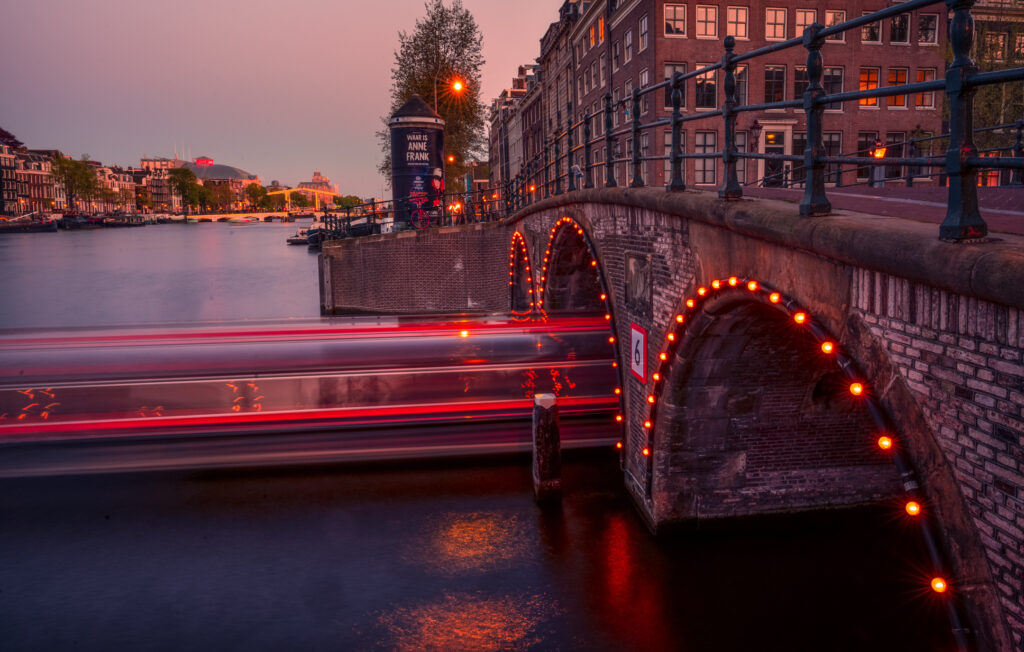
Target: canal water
[429, 556]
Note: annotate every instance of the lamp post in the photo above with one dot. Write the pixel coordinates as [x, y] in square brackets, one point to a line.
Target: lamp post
[878, 171]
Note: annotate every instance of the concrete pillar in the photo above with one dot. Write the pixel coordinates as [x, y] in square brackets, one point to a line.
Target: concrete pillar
[547, 449]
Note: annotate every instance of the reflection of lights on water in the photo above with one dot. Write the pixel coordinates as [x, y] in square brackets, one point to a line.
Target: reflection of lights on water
[476, 541]
[465, 622]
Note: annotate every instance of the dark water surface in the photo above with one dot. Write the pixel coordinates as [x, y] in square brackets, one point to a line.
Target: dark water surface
[428, 557]
[156, 274]
[453, 557]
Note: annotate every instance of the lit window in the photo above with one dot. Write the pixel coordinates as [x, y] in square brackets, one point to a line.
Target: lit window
[675, 20]
[928, 29]
[804, 19]
[898, 77]
[736, 22]
[593, 35]
[868, 81]
[899, 29]
[995, 46]
[707, 21]
[600, 29]
[834, 18]
[642, 32]
[775, 24]
[925, 100]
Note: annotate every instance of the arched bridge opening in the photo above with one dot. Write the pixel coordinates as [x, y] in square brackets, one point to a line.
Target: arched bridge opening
[570, 278]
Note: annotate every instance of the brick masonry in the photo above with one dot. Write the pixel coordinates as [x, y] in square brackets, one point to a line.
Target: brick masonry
[936, 329]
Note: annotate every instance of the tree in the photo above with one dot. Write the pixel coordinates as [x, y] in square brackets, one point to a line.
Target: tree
[77, 177]
[223, 196]
[204, 197]
[445, 45]
[348, 201]
[254, 192]
[7, 138]
[298, 199]
[184, 185]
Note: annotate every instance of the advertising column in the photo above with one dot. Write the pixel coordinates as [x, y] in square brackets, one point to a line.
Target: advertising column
[417, 163]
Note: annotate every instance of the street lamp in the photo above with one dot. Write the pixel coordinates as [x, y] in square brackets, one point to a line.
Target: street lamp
[878, 171]
[755, 135]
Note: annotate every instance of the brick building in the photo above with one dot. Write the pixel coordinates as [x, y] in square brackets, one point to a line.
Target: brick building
[8, 182]
[617, 46]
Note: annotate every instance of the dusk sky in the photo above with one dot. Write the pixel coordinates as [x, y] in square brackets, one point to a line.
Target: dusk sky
[276, 88]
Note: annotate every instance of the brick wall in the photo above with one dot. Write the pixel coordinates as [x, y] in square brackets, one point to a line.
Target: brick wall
[448, 270]
[961, 360]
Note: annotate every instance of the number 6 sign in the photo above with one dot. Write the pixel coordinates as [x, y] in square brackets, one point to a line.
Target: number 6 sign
[638, 352]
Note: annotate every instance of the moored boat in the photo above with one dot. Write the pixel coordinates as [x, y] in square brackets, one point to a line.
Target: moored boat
[300, 237]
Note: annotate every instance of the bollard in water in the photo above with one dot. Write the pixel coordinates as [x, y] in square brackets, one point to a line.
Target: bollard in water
[547, 453]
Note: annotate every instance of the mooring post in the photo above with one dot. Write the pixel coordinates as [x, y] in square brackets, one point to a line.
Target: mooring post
[547, 449]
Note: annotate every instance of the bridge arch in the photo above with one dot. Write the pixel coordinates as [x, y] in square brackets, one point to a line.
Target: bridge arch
[522, 288]
[820, 427]
[571, 279]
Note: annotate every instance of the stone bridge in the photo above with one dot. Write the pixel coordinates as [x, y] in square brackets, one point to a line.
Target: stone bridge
[768, 363]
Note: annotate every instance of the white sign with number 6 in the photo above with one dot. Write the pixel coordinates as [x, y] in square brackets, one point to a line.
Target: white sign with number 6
[638, 352]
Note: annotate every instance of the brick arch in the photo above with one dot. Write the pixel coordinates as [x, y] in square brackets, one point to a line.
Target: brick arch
[571, 279]
[756, 408]
[522, 289]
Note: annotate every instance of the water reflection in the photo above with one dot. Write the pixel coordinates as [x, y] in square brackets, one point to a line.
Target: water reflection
[477, 541]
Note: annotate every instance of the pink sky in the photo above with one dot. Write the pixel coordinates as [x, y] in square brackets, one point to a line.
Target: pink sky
[278, 89]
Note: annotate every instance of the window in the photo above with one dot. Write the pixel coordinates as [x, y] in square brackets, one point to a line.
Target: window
[804, 19]
[644, 153]
[579, 53]
[616, 55]
[604, 67]
[834, 18]
[865, 144]
[898, 77]
[899, 29]
[775, 24]
[928, 29]
[741, 163]
[741, 84]
[666, 149]
[832, 140]
[706, 142]
[707, 97]
[644, 82]
[894, 149]
[615, 108]
[995, 46]
[675, 20]
[593, 35]
[597, 123]
[628, 40]
[736, 22]
[642, 31]
[799, 174]
[868, 81]
[600, 29]
[707, 21]
[774, 83]
[586, 79]
[872, 32]
[917, 150]
[627, 100]
[925, 100]
[1018, 47]
[671, 69]
[832, 80]
[800, 81]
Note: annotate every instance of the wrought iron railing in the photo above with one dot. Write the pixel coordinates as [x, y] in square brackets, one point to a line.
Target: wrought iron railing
[557, 161]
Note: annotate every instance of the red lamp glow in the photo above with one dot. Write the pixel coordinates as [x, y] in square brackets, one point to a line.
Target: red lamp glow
[884, 442]
[679, 319]
[913, 508]
[733, 281]
[647, 424]
[827, 347]
[690, 303]
[716, 284]
[702, 291]
[650, 398]
[752, 285]
[647, 452]
[856, 389]
[463, 333]
[939, 585]
[774, 297]
[800, 317]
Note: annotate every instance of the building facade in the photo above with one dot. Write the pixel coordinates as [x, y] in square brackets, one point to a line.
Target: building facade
[8, 182]
[619, 46]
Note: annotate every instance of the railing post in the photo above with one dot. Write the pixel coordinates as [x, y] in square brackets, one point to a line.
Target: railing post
[910, 170]
[730, 184]
[570, 181]
[963, 220]
[1018, 151]
[638, 178]
[678, 183]
[609, 158]
[814, 202]
[547, 167]
[588, 176]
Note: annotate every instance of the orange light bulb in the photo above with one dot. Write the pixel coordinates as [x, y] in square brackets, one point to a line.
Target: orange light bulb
[618, 417]
[650, 398]
[752, 285]
[663, 356]
[463, 333]
[775, 297]
[618, 390]
[679, 319]
[827, 347]
[647, 424]
[856, 389]
[913, 508]
[884, 442]
[690, 303]
[939, 585]
[716, 284]
[733, 281]
[618, 445]
[647, 452]
[702, 291]
[656, 376]
[800, 317]
[611, 339]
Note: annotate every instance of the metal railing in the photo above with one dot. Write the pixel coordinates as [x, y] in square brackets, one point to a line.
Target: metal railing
[557, 161]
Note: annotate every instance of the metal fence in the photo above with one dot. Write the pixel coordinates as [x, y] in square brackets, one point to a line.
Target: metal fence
[558, 162]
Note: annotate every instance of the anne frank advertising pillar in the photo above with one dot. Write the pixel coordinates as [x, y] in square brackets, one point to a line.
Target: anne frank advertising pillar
[417, 161]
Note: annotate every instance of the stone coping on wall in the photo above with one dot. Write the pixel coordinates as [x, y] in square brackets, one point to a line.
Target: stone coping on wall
[990, 269]
[417, 234]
